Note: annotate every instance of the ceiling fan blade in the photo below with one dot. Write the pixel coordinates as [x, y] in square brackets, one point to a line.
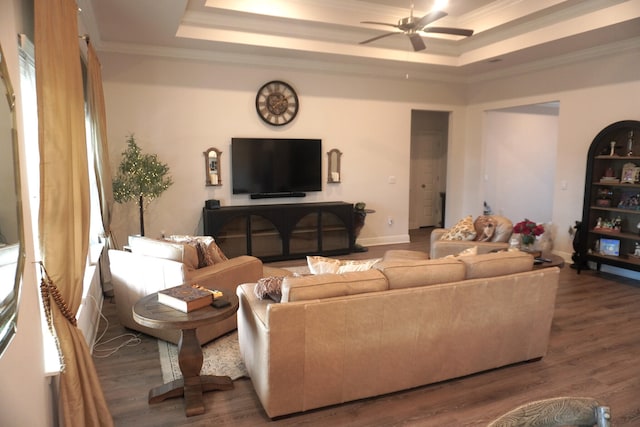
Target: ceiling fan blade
[416, 41]
[379, 37]
[429, 18]
[379, 23]
[447, 30]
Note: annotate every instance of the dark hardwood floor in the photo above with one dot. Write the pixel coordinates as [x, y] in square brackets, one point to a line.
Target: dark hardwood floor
[595, 342]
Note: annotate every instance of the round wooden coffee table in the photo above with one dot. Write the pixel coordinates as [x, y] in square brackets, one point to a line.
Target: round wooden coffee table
[148, 312]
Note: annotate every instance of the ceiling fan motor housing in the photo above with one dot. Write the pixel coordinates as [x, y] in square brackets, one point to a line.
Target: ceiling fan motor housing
[407, 24]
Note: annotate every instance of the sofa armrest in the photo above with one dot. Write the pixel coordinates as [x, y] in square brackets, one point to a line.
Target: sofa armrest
[135, 276]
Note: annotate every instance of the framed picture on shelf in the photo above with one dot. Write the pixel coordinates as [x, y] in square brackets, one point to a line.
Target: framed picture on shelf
[629, 173]
[610, 247]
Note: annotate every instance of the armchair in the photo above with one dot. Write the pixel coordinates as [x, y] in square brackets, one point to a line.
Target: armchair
[142, 272]
[499, 240]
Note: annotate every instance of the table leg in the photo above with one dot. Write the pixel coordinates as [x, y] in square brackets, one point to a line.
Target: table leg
[192, 385]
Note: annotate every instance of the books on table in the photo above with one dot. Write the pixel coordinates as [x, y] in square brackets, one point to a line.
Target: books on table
[187, 297]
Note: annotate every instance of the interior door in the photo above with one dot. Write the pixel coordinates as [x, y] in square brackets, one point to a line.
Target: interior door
[426, 153]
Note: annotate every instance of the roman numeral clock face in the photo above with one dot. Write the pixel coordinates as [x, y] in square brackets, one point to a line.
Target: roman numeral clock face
[277, 103]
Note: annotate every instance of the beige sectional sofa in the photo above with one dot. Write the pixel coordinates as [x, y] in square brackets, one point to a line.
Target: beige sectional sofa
[405, 323]
[440, 246]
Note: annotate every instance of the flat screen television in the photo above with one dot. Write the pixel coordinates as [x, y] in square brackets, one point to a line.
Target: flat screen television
[272, 167]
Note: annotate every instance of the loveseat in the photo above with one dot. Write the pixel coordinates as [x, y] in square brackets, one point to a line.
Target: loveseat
[406, 322]
[468, 233]
[149, 265]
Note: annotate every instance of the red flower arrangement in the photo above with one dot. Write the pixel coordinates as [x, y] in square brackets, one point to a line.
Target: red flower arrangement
[528, 230]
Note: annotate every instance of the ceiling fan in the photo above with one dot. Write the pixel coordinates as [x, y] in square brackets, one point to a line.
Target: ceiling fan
[412, 27]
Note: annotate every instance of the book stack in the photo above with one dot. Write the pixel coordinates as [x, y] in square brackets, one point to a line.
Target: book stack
[188, 297]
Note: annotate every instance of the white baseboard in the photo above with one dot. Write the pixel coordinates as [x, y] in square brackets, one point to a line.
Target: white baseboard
[386, 240]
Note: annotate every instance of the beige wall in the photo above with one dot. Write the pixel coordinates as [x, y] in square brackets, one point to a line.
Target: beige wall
[178, 109]
[597, 93]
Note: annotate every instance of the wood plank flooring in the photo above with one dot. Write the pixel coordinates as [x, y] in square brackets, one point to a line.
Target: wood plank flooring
[594, 348]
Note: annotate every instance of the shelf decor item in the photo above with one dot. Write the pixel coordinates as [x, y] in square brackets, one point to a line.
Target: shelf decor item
[610, 247]
[629, 173]
[630, 200]
[140, 177]
[528, 231]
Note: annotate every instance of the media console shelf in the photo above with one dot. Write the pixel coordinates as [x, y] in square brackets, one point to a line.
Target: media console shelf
[279, 232]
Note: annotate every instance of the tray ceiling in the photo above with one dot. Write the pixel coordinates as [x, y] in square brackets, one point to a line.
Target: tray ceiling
[509, 34]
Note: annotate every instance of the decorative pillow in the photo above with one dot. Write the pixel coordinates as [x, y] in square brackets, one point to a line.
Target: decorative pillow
[323, 265]
[216, 253]
[209, 252]
[502, 227]
[463, 230]
[269, 287]
[487, 232]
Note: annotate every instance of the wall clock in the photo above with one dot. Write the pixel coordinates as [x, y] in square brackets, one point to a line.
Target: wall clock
[277, 103]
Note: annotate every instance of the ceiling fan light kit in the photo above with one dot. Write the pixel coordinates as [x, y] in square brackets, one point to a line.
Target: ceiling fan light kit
[411, 27]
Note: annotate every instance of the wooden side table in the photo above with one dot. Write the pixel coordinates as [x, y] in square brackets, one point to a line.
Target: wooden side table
[554, 261]
[148, 312]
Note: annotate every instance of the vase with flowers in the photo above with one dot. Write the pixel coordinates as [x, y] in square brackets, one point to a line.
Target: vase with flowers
[528, 231]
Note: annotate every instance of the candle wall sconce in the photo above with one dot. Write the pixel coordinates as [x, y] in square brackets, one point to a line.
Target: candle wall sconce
[212, 167]
[333, 175]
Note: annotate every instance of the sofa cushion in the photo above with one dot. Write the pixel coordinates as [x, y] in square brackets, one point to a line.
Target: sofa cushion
[404, 254]
[323, 265]
[180, 252]
[415, 273]
[502, 227]
[496, 264]
[463, 230]
[320, 286]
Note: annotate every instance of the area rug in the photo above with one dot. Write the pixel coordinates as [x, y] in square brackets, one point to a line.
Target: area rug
[221, 357]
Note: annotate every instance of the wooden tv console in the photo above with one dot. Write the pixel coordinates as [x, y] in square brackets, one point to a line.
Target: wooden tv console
[277, 232]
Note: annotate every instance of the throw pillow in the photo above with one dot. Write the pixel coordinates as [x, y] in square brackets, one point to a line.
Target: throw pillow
[487, 232]
[216, 253]
[269, 287]
[463, 230]
[209, 252]
[323, 265]
[502, 227]
[197, 243]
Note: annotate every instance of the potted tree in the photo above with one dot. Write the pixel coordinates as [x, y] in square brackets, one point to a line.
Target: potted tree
[140, 177]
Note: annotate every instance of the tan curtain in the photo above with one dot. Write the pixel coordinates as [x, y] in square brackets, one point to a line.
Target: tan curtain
[64, 202]
[102, 166]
